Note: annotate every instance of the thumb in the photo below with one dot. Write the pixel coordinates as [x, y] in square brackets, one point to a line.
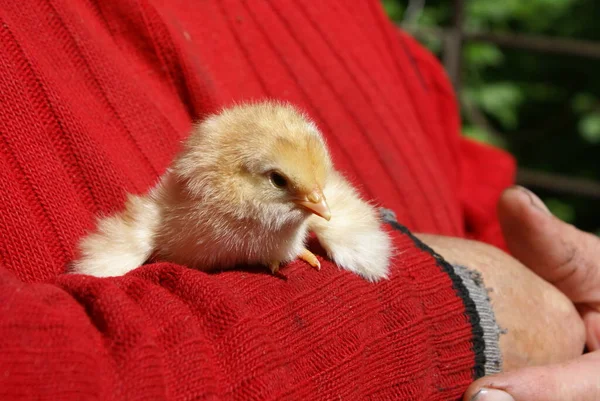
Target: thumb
[575, 380]
[556, 251]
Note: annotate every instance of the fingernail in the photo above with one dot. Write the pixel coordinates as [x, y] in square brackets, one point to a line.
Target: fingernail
[535, 201]
[490, 394]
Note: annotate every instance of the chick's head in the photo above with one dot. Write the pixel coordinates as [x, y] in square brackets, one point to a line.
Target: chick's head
[262, 160]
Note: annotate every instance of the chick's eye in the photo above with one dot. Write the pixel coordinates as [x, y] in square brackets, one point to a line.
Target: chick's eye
[278, 180]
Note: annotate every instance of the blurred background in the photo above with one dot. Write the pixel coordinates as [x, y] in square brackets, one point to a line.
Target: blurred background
[527, 73]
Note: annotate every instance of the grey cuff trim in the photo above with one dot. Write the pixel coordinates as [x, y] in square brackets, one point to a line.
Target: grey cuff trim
[470, 288]
[473, 281]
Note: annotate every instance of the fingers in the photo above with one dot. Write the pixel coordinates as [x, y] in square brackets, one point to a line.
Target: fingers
[575, 380]
[558, 252]
[591, 319]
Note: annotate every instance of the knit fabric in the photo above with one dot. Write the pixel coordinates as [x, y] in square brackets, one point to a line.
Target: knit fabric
[461, 289]
[473, 282]
[95, 98]
[469, 285]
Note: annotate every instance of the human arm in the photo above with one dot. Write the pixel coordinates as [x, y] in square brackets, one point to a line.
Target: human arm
[166, 332]
[171, 331]
[542, 325]
[482, 173]
[567, 258]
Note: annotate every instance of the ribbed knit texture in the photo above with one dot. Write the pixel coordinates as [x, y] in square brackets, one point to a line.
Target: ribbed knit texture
[95, 97]
[473, 282]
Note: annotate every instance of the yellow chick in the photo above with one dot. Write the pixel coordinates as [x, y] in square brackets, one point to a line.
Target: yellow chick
[248, 186]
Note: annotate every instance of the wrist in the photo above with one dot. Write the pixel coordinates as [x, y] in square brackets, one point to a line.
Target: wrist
[542, 325]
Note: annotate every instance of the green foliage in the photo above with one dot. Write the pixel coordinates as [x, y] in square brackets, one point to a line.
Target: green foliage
[589, 127]
[561, 209]
[478, 56]
[393, 9]
[532, 15]
[500, 100]
[583, 102]
[546, 107]
[484, 136]
[587, 107]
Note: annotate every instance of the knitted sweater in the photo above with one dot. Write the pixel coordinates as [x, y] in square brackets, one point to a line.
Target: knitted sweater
[95, 99]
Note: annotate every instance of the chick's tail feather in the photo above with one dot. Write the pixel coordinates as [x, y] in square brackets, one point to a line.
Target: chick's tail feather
[353, 238]
[121, 242]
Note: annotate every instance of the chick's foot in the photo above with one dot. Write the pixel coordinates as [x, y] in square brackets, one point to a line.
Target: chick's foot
[310, 258]
[305, 255]
[274, 267]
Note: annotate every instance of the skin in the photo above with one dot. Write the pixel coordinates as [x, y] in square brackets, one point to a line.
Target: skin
[551, 313]
[543, 325]
[570, 260]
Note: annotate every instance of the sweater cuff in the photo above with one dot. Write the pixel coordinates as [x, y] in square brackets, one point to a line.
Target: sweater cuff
[473, 282]
[469, 286]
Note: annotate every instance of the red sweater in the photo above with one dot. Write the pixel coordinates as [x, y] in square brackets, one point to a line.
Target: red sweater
[95, 98]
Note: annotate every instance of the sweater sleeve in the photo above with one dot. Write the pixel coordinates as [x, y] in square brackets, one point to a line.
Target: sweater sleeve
[166, 332]
[96, 97]
[469, 287]
[491, 331]
[479, 172]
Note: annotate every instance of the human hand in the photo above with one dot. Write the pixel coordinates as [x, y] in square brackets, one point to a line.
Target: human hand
[542, 325]
[569, 259]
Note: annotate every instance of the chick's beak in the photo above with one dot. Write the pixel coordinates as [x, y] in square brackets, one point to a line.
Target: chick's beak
[315, 202]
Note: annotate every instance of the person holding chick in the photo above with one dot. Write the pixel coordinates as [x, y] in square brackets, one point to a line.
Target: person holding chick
[97, 98]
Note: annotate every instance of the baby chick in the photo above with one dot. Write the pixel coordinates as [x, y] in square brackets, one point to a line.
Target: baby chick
[248, 186]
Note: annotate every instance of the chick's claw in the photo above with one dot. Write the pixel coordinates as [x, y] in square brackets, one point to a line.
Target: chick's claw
[310, 258]
[274, 266]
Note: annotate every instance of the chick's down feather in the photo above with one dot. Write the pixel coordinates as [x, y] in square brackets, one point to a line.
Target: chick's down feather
[353, 237]
[248, 185]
